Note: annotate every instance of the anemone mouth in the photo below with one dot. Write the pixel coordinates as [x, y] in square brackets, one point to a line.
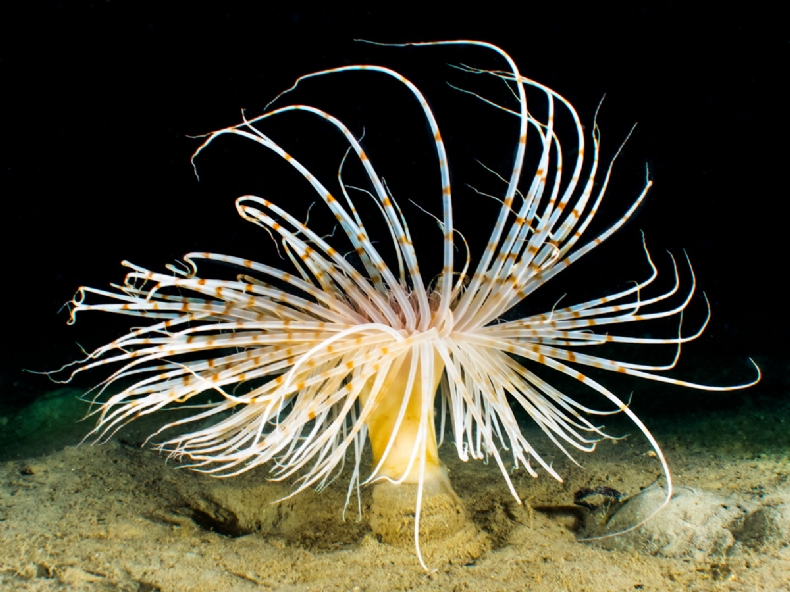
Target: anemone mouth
[331, 359]
[432, 311]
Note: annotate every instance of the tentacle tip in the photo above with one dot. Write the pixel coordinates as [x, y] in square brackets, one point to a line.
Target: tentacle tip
[759, 372]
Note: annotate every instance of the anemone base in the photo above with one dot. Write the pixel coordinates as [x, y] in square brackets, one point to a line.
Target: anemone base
[444, 525]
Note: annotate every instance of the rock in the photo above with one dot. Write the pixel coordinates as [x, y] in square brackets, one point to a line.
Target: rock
[695, 524]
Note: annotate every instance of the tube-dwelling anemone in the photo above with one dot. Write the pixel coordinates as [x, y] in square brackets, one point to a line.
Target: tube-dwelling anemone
[337, 355]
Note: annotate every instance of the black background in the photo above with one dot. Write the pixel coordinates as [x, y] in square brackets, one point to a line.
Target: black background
[98, 100]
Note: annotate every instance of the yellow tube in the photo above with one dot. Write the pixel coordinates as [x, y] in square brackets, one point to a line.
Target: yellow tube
[381, 422]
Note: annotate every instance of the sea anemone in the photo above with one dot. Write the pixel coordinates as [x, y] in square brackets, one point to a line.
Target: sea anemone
[307, 366]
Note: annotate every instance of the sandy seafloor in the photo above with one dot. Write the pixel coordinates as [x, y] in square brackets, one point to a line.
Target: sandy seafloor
[119, 517]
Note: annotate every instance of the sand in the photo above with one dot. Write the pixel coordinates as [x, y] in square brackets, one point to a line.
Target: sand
[120, 517]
